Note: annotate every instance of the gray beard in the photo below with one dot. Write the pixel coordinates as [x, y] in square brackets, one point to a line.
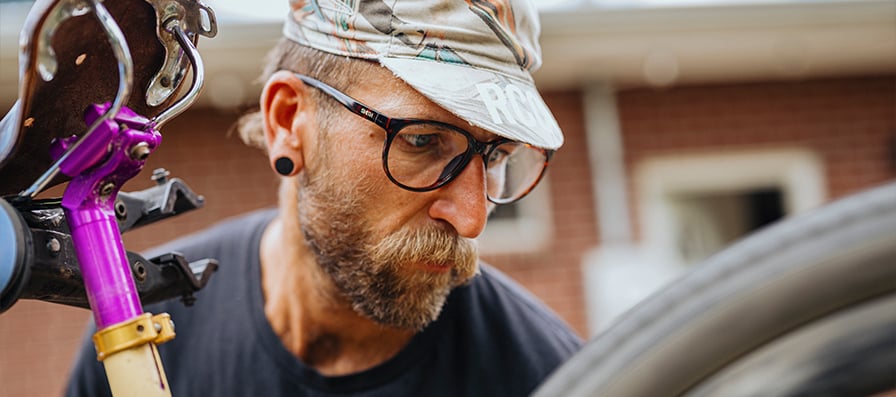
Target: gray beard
[379, 279]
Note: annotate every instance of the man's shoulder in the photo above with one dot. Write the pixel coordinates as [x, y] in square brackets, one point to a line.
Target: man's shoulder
[507, 339]
[498, 296]
[227, 234]
[498, 308]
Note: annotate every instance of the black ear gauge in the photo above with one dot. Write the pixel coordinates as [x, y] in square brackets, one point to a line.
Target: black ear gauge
[284, 166]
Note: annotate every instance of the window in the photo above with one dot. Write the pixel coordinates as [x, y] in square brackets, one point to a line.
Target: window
[706, 222]
[694, 205]
[690, 206]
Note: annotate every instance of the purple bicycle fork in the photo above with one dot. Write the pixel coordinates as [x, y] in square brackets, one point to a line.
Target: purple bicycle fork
[114, 153]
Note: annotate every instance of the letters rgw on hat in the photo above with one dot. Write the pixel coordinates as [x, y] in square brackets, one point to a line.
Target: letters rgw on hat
[471, 57]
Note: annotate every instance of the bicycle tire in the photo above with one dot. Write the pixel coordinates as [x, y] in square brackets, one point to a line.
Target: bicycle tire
[759, 289]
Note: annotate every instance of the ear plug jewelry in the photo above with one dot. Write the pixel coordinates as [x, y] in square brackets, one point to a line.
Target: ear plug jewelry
[284, 166]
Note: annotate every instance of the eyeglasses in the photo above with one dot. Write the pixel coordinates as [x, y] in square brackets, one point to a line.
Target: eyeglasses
[424, 155]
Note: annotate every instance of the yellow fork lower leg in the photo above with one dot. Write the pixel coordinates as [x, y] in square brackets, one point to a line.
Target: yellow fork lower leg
[137, 372]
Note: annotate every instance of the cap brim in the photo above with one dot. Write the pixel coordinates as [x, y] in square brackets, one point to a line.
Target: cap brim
[506, 106]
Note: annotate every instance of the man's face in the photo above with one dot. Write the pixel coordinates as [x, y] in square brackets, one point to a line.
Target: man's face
[385, 254]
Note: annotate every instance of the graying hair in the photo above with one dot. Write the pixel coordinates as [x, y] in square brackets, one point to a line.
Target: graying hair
[338, 71]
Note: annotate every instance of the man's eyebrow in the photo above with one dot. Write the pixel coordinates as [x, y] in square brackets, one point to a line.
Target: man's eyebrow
[479, 133]
[417, 111]
[482, 134]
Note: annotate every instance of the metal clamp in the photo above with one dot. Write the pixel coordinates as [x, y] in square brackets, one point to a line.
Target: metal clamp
[140, 330]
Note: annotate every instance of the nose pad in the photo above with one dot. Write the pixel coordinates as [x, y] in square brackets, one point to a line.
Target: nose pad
[454, 167]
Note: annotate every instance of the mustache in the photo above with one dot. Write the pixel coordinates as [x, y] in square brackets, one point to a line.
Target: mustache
[432, 244]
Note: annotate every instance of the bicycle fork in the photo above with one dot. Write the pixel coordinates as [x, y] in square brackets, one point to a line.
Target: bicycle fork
[126, 337]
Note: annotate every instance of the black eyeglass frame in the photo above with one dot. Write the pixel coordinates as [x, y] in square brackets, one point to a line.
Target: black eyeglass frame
[392, 125]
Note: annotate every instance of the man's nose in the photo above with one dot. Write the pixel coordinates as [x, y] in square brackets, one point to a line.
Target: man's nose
[463, 202]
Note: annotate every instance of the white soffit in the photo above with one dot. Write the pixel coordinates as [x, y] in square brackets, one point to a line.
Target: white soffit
[637, 46]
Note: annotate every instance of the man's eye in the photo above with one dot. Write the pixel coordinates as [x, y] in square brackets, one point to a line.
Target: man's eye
[497, 155]
[419, 140]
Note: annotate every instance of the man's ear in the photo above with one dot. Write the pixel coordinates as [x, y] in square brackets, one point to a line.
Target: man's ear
[286, 115]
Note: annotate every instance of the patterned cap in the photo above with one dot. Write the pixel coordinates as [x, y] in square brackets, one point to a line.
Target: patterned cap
[472, 57]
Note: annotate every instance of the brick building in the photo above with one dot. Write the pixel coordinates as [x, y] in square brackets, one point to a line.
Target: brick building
[686, 127]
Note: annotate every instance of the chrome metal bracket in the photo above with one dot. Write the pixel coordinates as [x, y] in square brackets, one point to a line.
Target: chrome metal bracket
[194, 18]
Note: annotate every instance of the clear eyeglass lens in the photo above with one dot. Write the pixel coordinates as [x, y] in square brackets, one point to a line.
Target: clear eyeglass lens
[513, 169]
[424, 155]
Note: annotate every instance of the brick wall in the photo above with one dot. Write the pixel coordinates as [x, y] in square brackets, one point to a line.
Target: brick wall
[37, 345]
[850, 122]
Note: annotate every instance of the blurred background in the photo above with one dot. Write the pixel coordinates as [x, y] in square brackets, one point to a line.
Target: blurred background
[688, 123]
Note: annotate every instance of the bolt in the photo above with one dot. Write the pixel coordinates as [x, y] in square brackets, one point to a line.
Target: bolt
[140, 271]
[160, 176]
[54, 246]
[140, 151]
[107, 189]
[157, 326]
[171, 324]
[173, 20]
[121, 211]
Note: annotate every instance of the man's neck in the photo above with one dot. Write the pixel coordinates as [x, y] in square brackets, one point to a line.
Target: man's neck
[311, 318]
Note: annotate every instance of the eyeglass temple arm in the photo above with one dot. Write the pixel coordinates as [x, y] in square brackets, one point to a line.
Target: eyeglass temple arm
[354, 106]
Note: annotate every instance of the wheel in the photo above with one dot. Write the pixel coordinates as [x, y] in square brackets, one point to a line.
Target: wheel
[16, 253]
[788, 298]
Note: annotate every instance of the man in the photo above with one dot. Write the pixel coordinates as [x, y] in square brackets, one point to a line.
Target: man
[397, 129]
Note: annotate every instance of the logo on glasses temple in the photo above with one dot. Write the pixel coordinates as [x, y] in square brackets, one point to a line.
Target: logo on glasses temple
[368, 113]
